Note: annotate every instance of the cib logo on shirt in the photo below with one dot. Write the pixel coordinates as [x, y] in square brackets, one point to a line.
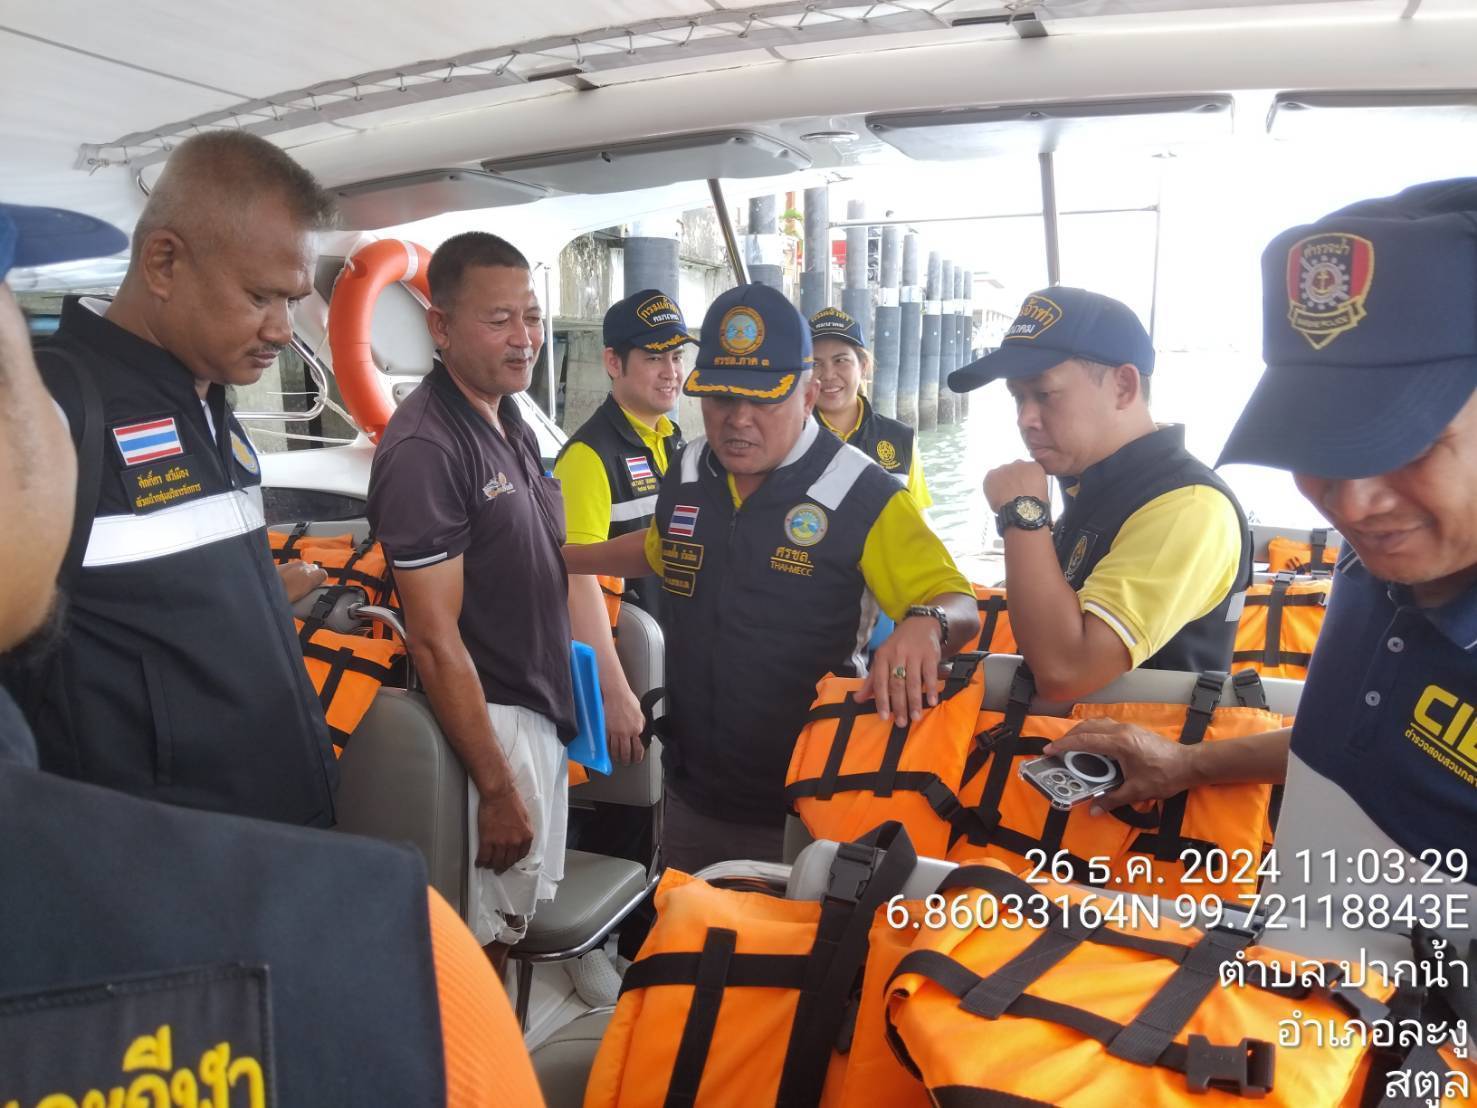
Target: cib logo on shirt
[1442, 726]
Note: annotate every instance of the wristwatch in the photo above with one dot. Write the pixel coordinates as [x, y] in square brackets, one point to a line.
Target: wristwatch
[1029, 513]
[933, 611]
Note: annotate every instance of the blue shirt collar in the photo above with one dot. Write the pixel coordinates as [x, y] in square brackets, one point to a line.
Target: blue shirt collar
[1456, 619]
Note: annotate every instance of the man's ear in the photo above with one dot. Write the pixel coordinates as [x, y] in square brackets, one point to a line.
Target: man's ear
[437, 323]
[159, 258]
[1127, 384]
[812, 393]
[614, 365]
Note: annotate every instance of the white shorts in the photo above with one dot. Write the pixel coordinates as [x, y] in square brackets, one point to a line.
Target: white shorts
[530, 743]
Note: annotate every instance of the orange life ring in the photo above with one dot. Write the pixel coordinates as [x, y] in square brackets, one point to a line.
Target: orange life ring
[364, 277]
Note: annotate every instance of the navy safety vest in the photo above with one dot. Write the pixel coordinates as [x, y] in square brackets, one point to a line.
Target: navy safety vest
[632, 474]
[180, 678]
[760, 604]
[887, 442]
[161, 951]
[1111, 491]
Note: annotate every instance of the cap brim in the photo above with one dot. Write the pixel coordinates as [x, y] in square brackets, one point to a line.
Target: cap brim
[47, 236]
[666, 338]
[1011, 360]
[742, 384]
[816, 336]
[1340, 423]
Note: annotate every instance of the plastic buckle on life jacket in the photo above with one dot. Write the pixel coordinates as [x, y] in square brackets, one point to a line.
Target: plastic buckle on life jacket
[941, 799]
[1245, 1069]
[851, 869]
[1358, 1004]
[1248, 687]
[1207, 693]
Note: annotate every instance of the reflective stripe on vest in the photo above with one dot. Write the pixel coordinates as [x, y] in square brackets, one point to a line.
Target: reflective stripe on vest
[120, 540]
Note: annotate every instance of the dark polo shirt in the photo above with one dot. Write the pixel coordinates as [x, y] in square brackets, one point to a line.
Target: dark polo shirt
[445, 484]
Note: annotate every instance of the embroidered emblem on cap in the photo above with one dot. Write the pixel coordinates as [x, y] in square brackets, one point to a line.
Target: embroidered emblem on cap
[887, 454]
[806, 524]
[741, 331]
[1328, 277]
[830, 319]
[658, 311]
[1038, 314]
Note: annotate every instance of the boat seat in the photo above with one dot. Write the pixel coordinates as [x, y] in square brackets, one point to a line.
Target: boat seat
[563, 1061]
[599, 891]
[1264, 533]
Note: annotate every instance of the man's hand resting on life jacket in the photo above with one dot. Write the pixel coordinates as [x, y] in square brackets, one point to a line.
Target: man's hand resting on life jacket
[914, 650]
[1153, 768]
[504, 831]
[624, 724]
[300, 578]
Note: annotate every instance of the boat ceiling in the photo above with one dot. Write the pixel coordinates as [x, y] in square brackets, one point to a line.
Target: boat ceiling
[93, 96]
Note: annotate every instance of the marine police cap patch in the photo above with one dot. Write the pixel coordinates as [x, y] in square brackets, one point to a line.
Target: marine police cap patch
[1328, 279]
[658, 311]
[1037, 316]
[741, 331]
[755, 346]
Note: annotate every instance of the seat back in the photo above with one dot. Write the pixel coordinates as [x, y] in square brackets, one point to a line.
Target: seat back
[1264, 533]
[399, 780]
[639, 645]
[357, 528]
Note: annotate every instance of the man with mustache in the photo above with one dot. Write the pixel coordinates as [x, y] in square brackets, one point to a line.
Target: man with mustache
[1149, 564]
[180, 678]
[472, 527]
[777, 544]
[1368, 399]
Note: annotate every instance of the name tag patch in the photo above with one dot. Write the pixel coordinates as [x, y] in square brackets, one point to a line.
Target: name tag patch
[680, 563]
[161, 485]
[181, 1038]
[148, 441]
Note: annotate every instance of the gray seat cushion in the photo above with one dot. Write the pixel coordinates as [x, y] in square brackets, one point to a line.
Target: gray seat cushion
[595, 888]
[562, 1062]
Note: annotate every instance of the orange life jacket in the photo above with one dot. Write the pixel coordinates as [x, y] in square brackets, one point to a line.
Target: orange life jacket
[1039, 1002]
[742, 998]
[1280, 624]
[611, 590]
[1291, 556]
[1180, 847]
[851, 771]
[995, 632]
[346, 670]
[343, 560]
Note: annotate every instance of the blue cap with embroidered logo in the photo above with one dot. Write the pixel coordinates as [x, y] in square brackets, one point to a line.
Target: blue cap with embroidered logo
[755, 346]
[1056, 324]
[833, 323]
[44, 236]
[1369, 333]
[649, 320]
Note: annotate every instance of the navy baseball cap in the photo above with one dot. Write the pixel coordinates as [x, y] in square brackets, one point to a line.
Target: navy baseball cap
[649, 320]
[43, 236]
[1369, 333]
[755, 346]
[833, 323]
[1056, 324]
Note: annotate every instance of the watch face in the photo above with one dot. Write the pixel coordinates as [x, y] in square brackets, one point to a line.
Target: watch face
[1029, 509]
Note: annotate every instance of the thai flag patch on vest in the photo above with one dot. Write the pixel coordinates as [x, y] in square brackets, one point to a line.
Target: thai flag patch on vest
[684, 521]
[148, 442]
[639, 468]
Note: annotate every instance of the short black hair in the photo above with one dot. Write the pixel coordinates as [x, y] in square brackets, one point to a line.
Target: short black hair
[1099, 370]
[470, 248]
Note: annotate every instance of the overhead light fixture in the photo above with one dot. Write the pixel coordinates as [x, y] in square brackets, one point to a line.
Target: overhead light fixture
[835, 138]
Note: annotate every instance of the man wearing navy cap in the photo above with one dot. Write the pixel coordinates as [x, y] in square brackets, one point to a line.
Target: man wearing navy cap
[612, 466]
[776, 544]
[1370, 399]
[842, 364]
[1149, 564]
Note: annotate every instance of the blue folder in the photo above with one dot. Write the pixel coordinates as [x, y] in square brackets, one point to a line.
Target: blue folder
[589, 747]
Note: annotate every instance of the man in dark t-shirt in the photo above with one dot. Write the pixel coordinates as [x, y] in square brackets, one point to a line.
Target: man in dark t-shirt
[473, 529]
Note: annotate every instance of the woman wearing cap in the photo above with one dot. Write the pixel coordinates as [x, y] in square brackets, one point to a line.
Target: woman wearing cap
[842, 361]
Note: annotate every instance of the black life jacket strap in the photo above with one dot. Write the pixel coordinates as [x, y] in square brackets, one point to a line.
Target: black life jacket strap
[1167, 844]
[990, 609]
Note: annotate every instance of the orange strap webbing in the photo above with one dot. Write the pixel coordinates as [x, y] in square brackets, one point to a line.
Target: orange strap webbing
[344, 561]
[1279, 625]
[1032, 999]
[995, 635]
[346, 670]
[740, 998]
[851, 770]
[1291, 556]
